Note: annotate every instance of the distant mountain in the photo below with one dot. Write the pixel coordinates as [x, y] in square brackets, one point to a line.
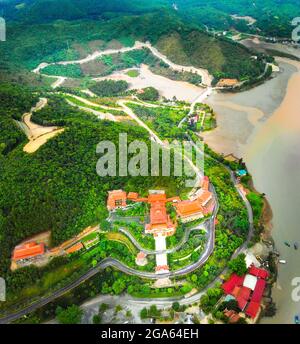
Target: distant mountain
[273, 17]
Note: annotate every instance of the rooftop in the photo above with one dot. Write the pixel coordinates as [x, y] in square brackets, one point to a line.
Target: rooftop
[74, 248]
[250, 282]
[28, 250]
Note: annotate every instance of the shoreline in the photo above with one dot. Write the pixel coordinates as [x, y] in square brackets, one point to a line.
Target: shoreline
[279, 127]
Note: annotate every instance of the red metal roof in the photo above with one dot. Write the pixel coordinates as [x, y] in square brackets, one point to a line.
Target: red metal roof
[258, 291]
[252, 309]
[241, 302]
[76, 247]
[261, 273]
[245, 293]
[234, 281]
[28, 250]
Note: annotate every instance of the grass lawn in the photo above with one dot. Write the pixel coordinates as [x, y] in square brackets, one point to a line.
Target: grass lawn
[133, 73]
[122, 239]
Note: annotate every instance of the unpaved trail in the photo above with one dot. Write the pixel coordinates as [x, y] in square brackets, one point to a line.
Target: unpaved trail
[101, 115]
[37, 134]
[206, 77]
[131, 114]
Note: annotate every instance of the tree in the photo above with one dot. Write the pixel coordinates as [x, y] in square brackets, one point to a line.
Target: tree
[118, 308]
[176, 306]
[238, 265]
[97, 319]
[149, 94]
[144, 313]
[70, 315]
[103, 307]
[108, 88]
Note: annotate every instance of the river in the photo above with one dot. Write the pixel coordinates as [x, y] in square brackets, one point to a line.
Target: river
[262, 125]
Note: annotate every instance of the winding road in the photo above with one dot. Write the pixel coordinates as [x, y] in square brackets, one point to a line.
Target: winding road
[111, 262]
[206, 77]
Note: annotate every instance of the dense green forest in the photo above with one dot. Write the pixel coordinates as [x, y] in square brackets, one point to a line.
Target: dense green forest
[273, 17]
[28, 45]
[13, 104]
[57, 187]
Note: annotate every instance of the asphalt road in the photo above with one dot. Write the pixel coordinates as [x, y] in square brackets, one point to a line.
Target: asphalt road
[110, 262]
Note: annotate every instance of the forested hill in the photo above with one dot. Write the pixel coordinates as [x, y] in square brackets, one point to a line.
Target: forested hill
[273, 17]
[28, 45]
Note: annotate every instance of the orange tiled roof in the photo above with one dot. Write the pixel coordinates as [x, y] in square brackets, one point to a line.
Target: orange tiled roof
[74, 248]
[227, 82]
[141, 255]
[186, 208]
[132, 195]
[204, 197]
[174, 199]
[116, 196]
[157, 198]
[162, 267]
[158, 213]
[28, 250]
[205, 183]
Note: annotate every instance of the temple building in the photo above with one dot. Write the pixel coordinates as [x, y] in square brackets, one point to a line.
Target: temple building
[116, 199]
[189, 211]
[198, 206]
[160, 221]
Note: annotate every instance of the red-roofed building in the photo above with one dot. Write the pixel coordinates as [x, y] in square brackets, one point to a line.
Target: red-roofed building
[258, 291]
[200, 204]
[28, 250]
[245, 293]
[241, 302]
[162, 268]
[260, 273]
[205, 183]
[189, 210]
[75, 248]
[132, 196]
[116, 199]
[234, 281]
[232, 316]
[159, 219]
[253, 309]
[236, 291]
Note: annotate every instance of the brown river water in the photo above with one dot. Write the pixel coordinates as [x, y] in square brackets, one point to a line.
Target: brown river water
[262, 125]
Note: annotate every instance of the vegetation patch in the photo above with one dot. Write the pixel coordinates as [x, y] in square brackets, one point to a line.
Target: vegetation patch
[109, 88]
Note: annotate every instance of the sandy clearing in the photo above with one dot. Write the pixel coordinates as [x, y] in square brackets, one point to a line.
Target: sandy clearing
[34, 145]
[166, 87]
[206, 77]
[37, 134]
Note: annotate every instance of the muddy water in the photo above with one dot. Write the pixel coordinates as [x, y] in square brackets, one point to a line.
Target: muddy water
[263, 126]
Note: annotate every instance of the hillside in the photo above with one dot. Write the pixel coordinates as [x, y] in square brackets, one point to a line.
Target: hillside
[221, 58]
[57, 187]
[272, 17]
[30, 44]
